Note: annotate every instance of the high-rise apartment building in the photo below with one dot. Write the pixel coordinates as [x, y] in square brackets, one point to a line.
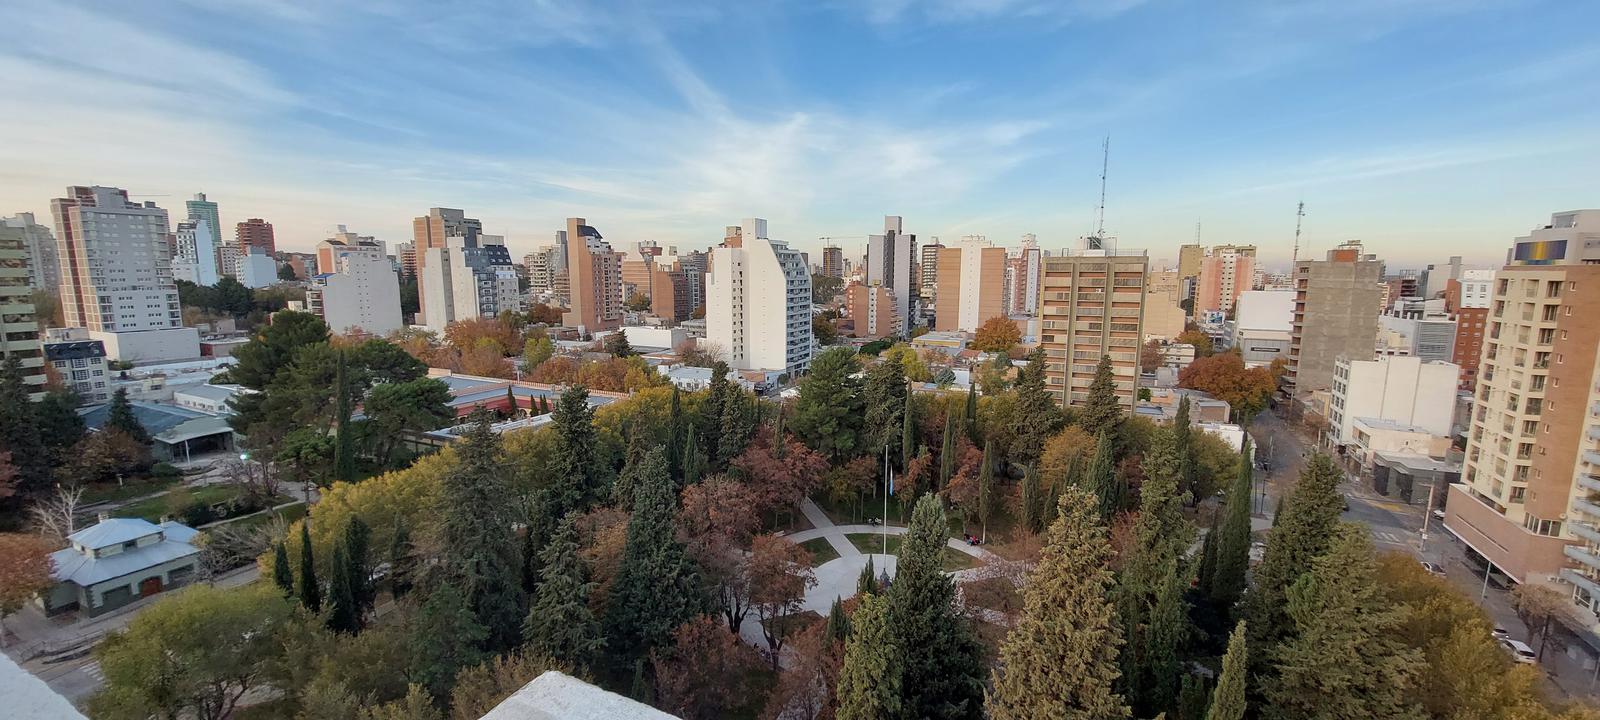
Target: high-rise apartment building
[1092, 305]
[758, 307]
[194, 257]
[359, 292]
[832, 261]
[1335, 314]
[1468, 300]
[1226, 272]
[44, 266]
[433, 231]
[672, 289]
[468, 278]
[1189, 259]
[929, 268]
[1164, 318]
[406, 255]
[696, 265]
[871, 311]
[1526, 496]
[971, 284]
[1022, 277]
[890, 260]
[255, 233]
[344, 244]
[199, 208]
[19, 328]
[594, 280]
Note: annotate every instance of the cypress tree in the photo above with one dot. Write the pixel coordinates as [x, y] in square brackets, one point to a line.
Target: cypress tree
[310, 592]
[867, 581]
[344, 461]
[838, 627]
[947, 449]
[1148, 596]
[445, 638]
[1344, 657]
[1208, 560]
[401, 563]
[986, 486]
[1193, 698]
[511, 401]
[19, 430]
[1059, 659]
[657, 586]
[343, 615]
[1233, 539]
[908, 443]
[1304, 530]
[282, 576]
[1102, 410]
[943, 662]
[120, 417]
[779, 446]
[1052, 500]
[1166, 635]
[710, 421]
[1038, 416]
[560, 624]
[971, 414]
[870, 681]
[1028, 510]
[694, 462]
[1108, 487]
[675, 437]
[1183, 432]
[479, 548]
[1277, 510]
[358, 558]
[1228, 700]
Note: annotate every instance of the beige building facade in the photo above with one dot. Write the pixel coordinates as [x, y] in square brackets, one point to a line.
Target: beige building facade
[1092, 305]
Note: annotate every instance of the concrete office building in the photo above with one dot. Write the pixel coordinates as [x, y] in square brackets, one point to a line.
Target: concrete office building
[758, 307]
[461, 281]
[928, 268]
[44, 265]
[1092, 305]
[406, 255]
[359, 295]
[594, 280]
[1022, 278]
[1263, 320]
[1403, 390]
[1225, 273]
[1164, 318]
[1335, 315]
[431, 232]
[890, 258]
[253, 234]
[1428, 338]
[971, 284]
[195, 257]
[1571, 237]
[199, 208]
[871, 311]
[19, 326]
[1189, 258]
[832, 261]
[345, 243]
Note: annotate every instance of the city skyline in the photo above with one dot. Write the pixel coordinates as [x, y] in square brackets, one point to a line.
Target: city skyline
[1420, 128]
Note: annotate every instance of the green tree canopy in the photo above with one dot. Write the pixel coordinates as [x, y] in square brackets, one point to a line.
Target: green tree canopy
[828, 415]
[478, 547]
[942, 660]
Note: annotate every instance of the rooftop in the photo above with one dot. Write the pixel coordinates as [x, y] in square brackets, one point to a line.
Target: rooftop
[84, 569]
[113, 531]
[555, 696]
[74, 350]
[155, 417]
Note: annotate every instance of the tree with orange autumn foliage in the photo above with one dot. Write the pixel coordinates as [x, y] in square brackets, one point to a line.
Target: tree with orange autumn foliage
[779, 473]
[24, 572]
[503, 331]
[996, 335]
[1225, 377]
[706, 673]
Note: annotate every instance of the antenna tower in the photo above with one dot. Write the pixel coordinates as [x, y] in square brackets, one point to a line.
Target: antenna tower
[1098, 241]
[1299, 214]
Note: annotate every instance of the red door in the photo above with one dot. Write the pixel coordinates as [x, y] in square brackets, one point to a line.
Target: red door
[150, 586]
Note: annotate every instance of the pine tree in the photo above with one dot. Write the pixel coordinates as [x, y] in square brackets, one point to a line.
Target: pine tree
[694, 462]
[1343, 658]
[1304, 530]
[870, 683]
[736, 426]
[1148, 597]
[838, 627]
[828, 414]
[343, 615]
[479, 549]
[576, 473]
[657, 586]
[971, 414]
[885, 393]
[711, 408]
[344, 461]
[943, 662]
[947, 449]
[1228, 700]
[282, 576]
[1059, 659]
[1028, 503]
[1233, 539]
[867, 581]
[401, 564]
[986, 487]
[1102, 410]
[1109, 488]
[120, 417]
[19, 430]
[310, 590]
[560, 624]
[444, 639]
[1039, 417]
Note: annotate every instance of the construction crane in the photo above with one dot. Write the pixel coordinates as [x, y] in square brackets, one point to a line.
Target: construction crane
[1299, 214]
[1098, 239]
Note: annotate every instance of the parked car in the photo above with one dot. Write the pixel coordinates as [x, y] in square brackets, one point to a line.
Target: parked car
[1500, 633]
[1520, 651]
[1438, 515]
[1433, 569]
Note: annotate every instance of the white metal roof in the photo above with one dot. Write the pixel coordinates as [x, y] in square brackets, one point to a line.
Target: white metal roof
[555, 696]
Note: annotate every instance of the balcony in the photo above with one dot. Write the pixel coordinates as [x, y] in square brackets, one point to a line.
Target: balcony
[1577, 578]
[1585, 531]
[1577, 552]
[1586, 507]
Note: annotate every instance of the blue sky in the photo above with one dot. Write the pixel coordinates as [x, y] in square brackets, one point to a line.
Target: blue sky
[1423, 127]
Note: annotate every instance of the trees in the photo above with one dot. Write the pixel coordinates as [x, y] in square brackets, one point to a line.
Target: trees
[825, 288]
[779, 574]
[1302, 534]
[705, 673]
[120, 417]
[869, 685]
[1343, 659]
[657, 586]
[824, 330]
[1059, 659]
[310, 589]
[19, 431]
[986, 487]
[1228, 699]
[535, 351]
[24, 572]
[885, 395]
[478, 550]
[1109, 489]
[576, 475]
[1039, 418]
[1149, 594]
[395, 409]
[1102, 411]
[560, 624]
[479, 688]
[942, 659]
[1539, 607]
[998, 334]
[1233, 539]
[445, 638]
[828, 413]
[617, 344]
[1225, 377]
[282, 576]
[344, 461]
[1150, 356]
[194, 654]
[1197, 338]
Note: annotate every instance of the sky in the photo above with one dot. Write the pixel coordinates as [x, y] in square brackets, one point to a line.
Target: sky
[1424, 128]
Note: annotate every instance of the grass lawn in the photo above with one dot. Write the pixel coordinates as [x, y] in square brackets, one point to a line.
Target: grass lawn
[845, 513]
[153, 508]
[873, 543]
[111, 492]
[820, 550]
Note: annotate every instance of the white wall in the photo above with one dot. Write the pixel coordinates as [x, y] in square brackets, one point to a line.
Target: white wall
[257, 270]
[437, 294]
[1398, 389]
[758, 299]
[150, 346]
[1264, 310]
[364, 294]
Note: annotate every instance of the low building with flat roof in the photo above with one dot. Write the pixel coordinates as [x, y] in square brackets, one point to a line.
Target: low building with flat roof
[117, 561]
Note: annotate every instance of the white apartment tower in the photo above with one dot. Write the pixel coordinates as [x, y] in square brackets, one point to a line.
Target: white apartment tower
[194, 258]
[360, 295]
[890, 257]
[116, 275]
[44, 267]
[758, 303]
[468, 278]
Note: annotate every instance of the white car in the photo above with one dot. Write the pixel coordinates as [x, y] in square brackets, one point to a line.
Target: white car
[1500, 633]
[1520, 651]
[1433, 569]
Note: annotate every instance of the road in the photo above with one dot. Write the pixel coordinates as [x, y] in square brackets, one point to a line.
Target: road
[1397, 526]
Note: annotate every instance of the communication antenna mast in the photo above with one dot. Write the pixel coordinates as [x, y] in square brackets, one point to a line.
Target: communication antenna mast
[1098, 241]
[1299, 214]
